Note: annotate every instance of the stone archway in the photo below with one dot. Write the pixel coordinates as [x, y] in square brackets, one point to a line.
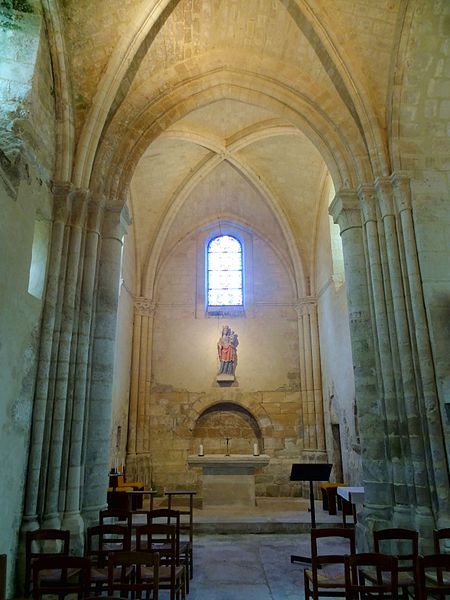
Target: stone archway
[226, 419]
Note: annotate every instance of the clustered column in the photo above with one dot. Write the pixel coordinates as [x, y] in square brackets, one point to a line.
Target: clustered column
[310, 377]
[68, 458]
[372, 424]
[404, 464]
[138, 448]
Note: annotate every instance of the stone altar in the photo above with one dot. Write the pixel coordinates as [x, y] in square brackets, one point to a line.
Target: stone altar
[229, 480]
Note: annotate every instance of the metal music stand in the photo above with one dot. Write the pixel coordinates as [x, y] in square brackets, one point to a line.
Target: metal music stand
[309, 472]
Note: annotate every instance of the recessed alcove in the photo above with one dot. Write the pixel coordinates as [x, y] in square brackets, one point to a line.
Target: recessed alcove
[226, 420]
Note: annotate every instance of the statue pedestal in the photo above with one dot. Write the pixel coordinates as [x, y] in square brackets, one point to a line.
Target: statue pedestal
[224, 378]
[229, 480]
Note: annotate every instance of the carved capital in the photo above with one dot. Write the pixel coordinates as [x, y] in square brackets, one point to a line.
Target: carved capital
[306, 306]
[144, 306]
[402, 191]
[345, 210]
[61, 202]
[78, 206]
[367, 199]
[115, 223]
[385, 194]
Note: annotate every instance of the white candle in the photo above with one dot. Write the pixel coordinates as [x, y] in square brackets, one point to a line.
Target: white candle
[255, 450]
[200, 450]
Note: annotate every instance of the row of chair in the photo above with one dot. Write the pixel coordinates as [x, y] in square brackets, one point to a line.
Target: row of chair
[394, 567]
[159, 534]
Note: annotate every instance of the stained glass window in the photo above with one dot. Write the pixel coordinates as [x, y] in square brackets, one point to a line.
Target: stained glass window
[225, 271]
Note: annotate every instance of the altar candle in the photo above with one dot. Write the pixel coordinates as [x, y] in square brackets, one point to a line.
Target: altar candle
[255, 450]
[200, 450]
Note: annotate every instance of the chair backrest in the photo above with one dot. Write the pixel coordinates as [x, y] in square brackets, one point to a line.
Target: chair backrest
[186, 514]
[440, 535]
[118, 514]
[42, 542]
[434, 575]
[102, 540]
[61, 575]
[385, 566]
[402, 543]
[159, 538]
[166, 516]
[330, 534]
[145, 568]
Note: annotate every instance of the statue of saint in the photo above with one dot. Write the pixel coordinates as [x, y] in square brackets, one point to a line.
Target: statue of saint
[227, 351]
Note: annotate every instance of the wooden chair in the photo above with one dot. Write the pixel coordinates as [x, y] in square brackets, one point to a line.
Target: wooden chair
[145, 578]
[70, 575]
[385, 584]
[163, 540]
[326, 578]
[439, 536]
[113, 515]
[186, 524]
[169, 516]
[390, 541]
[101, 542]
[3, 562]
[44, 542]
[434, 576]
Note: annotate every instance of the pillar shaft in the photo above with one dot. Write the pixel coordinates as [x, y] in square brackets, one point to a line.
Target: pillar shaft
[378, 490]
[100, 401]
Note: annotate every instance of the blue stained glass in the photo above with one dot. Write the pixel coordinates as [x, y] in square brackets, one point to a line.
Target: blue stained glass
[225, 272]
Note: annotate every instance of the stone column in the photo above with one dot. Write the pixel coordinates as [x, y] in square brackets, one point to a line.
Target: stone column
[60, 215]
[100, 409]
[407, 400]
[75, 471]
[378, 489]
[397, 451]
[78, 200]
[432, 429]
[138, 446]
[310, 377]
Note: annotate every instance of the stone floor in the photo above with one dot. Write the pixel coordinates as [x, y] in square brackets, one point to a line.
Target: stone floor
[244, 554]
[249, 567]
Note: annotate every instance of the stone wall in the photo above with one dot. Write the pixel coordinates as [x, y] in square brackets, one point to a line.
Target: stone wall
[27, 152]
[184, 366]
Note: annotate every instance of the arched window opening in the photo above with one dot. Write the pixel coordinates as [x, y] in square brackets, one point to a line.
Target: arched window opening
[225, 275]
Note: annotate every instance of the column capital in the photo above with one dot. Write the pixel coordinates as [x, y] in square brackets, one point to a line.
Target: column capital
[402, 191]
[78, 199]
[385, 195]
[144, 306]
[367, 199]
[115, 222]
[306, 306]
[95, 214]
[61, 203]
[345, 210]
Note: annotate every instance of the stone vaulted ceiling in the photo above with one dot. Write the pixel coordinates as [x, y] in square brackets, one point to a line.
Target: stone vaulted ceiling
[284, 91]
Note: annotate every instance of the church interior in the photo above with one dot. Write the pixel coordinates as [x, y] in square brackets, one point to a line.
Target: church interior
[136, 137]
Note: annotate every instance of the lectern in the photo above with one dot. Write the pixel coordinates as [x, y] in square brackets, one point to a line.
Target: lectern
[309, 472]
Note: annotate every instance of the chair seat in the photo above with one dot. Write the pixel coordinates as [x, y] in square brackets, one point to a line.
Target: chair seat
[404, 578]
[49, 576]
[326, 578]
[165, 573]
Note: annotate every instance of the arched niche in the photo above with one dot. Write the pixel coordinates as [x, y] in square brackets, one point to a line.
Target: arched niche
[222, 420]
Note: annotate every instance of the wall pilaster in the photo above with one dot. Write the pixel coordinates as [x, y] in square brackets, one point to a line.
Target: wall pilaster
[138, 448]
